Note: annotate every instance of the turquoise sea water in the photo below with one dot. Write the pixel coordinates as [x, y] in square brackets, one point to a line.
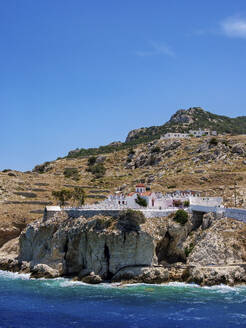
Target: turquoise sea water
[61, 303]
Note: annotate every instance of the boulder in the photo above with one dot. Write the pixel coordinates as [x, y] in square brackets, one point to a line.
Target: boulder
[148, 275]
[43, 271]
[100, 159]
[92, 278]
[239, 149]
[216, 275]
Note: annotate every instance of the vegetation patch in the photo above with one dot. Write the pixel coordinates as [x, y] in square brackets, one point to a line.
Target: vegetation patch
[97, 169]
[72, 173]
[213, 142]
[130, 220]
[181, 216]
[189, 249]
[78, 195]
[42, 168]
[141, 201]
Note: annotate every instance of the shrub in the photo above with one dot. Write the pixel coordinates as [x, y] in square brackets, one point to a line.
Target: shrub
[131, 151]
[98, 170]
[225, 142]
[79, 195]
[62, 195]
[181, 217]
[71, 172]
[130, 220]
[171, 186]
[186, 203]
[141, 201]
[42, 168]
[152, 160]
[156, 150]
[92, 160]
[189, 249]
[213, 142]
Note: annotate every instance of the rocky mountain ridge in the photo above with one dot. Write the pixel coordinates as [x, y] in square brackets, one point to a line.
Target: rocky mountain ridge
[192, 118]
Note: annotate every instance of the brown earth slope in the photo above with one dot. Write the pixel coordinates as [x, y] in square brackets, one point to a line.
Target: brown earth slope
[213, 168]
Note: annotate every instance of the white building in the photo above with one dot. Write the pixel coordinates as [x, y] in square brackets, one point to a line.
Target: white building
[195, 133]
[175, 135]
[201, 133]
[154, 200]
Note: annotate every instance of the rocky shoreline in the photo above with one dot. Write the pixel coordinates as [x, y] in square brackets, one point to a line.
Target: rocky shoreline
[130, 249]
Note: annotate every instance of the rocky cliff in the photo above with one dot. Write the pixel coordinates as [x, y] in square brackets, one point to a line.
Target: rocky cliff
[131, 249]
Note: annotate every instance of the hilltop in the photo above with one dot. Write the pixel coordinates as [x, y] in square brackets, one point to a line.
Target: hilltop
[192, 119]
[182, 121]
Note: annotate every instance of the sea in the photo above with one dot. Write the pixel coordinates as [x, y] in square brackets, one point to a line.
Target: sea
[26, 302]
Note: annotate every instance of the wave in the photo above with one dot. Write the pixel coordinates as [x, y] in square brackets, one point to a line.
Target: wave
[14, 275]
[66, 283]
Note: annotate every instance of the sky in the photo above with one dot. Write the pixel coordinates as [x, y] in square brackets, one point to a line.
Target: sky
[79, 74]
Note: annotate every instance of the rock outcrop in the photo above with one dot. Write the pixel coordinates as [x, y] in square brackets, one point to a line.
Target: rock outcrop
[205, 250]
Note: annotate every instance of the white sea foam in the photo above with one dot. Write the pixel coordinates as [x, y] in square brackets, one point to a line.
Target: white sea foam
[14, 275]
[65, 282]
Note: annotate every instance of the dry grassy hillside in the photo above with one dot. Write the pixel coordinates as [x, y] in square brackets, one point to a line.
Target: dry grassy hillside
[216, 168]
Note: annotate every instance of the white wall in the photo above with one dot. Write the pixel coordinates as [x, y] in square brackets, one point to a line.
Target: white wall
[206, 201]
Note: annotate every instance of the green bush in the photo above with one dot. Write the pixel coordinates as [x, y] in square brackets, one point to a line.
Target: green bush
[141, 201]
[62, 195]
[131, 151]
[213, 142]
[98, 170]
[171, 186]
[189, 249]
[130, 220]
[42, 168]
[152, 160]
[156, 150]
[79, 195]
[71, 172]
[186, 203]
[181, 217]
[92, 160]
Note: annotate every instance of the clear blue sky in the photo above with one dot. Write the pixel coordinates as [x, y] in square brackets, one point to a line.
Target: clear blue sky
[83, 73]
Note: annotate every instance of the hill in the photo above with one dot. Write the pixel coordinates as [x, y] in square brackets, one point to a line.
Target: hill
[181, 121]
[214, 169]
[191, 119]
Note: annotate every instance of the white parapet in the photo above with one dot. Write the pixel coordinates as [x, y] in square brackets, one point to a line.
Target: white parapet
[206, 201]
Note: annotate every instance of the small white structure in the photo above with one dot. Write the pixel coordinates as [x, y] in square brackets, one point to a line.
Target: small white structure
[206, 201]
[175, 135]
[195, 133]
[201, 133]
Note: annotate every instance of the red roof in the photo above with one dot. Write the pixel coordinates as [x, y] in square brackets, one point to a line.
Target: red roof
[140, 185]
[147, 193]
[131, 193]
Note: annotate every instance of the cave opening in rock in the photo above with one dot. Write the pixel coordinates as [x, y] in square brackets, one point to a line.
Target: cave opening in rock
[65, 248]
[166, 253]
[109, 274]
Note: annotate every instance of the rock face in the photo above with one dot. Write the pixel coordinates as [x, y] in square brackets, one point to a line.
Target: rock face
[131, 135]
[11, 230]
[224, 243]
[206, 250]
[102, 245]
[70, 245]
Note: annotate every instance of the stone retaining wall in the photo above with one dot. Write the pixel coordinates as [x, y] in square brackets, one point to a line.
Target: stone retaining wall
[236, 213]
[88, 213]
